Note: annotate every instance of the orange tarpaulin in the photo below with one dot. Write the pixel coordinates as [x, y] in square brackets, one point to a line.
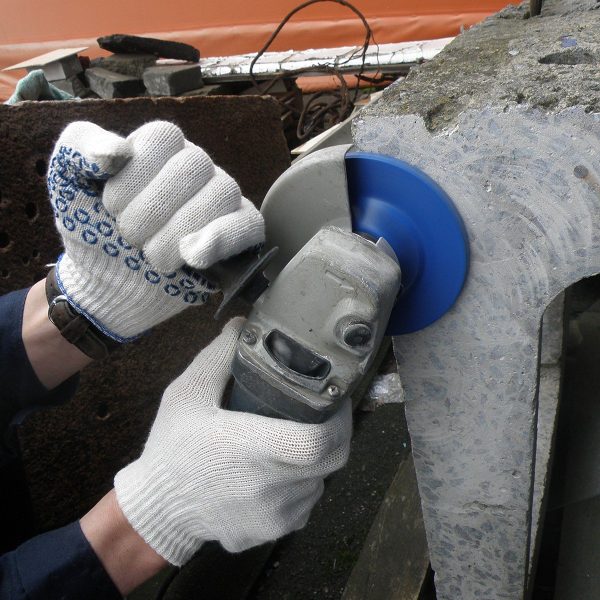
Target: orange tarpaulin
[33, 27]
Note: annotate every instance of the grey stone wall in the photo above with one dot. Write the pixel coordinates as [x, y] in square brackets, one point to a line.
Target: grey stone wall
[505, 121]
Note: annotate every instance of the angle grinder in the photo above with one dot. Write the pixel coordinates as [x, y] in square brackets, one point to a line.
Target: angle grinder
[359, 246]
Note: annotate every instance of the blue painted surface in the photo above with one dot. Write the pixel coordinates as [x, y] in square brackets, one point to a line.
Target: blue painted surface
[392, 199]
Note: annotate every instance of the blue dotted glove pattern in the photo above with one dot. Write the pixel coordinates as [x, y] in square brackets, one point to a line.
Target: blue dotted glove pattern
[72, 177]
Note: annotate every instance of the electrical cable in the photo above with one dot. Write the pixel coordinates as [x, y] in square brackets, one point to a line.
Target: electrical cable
[316, 114]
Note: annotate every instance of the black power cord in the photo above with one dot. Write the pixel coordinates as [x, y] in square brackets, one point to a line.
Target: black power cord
[323, 109]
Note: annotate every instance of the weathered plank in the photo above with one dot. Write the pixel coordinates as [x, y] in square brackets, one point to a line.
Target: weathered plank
[394, 560]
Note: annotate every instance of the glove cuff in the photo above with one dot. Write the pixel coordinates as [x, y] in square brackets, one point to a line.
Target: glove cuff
[150, 501]
[97, 302]
[73, 326]
[122, 308]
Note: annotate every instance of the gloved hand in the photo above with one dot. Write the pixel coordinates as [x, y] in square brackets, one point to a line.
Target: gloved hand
[207, 473]
[165, 204]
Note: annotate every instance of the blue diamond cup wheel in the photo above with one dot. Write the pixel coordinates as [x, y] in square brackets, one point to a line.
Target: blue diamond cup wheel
[392, 199]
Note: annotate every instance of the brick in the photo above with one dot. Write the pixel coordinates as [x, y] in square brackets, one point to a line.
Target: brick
[171, 80]
[108, 84]
[133, 65]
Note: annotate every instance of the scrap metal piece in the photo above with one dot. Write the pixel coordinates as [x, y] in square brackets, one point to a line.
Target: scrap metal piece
[135, 44]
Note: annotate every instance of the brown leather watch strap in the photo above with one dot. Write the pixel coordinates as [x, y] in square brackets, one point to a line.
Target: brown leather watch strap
[74, 326]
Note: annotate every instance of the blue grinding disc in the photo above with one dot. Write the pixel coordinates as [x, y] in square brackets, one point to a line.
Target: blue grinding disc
[391, 199]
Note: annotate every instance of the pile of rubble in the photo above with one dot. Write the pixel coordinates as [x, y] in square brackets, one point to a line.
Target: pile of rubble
[316, 88]
[139, 66]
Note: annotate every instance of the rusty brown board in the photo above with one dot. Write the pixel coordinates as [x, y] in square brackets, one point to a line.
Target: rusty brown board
[71, 452]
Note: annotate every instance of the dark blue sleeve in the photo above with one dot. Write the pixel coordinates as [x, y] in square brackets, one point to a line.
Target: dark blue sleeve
[61, 563]
[21, 391]
[57, 565]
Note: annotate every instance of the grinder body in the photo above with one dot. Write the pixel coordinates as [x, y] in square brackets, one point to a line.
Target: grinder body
[312, 335]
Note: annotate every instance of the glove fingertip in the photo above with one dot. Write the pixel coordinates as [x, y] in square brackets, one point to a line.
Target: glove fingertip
[222, 238]
[113, 154]
[188, 249]
[236, 324]
[103, 152]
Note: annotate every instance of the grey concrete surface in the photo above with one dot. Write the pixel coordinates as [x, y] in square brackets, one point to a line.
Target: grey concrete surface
[509, 131]
[498, 63]
[471, 379]
[550, 376]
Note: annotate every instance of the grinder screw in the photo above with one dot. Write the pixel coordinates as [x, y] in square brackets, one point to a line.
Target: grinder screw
[248, 337]
[356, 334]
[333, 391]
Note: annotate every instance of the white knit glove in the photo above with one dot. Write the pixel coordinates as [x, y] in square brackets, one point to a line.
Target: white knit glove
[165, 204]
[207, 473]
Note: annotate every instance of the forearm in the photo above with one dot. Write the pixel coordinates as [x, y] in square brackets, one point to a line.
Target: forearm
[128, 560]
[52, 357]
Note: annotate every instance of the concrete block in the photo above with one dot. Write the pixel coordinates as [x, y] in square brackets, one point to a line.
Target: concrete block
[64, 68]
[512, 138]
[73, 86]
[134, 44]
[108, 84]
[61, 63]
[172, 80]
[471, 379]
[133, 65]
